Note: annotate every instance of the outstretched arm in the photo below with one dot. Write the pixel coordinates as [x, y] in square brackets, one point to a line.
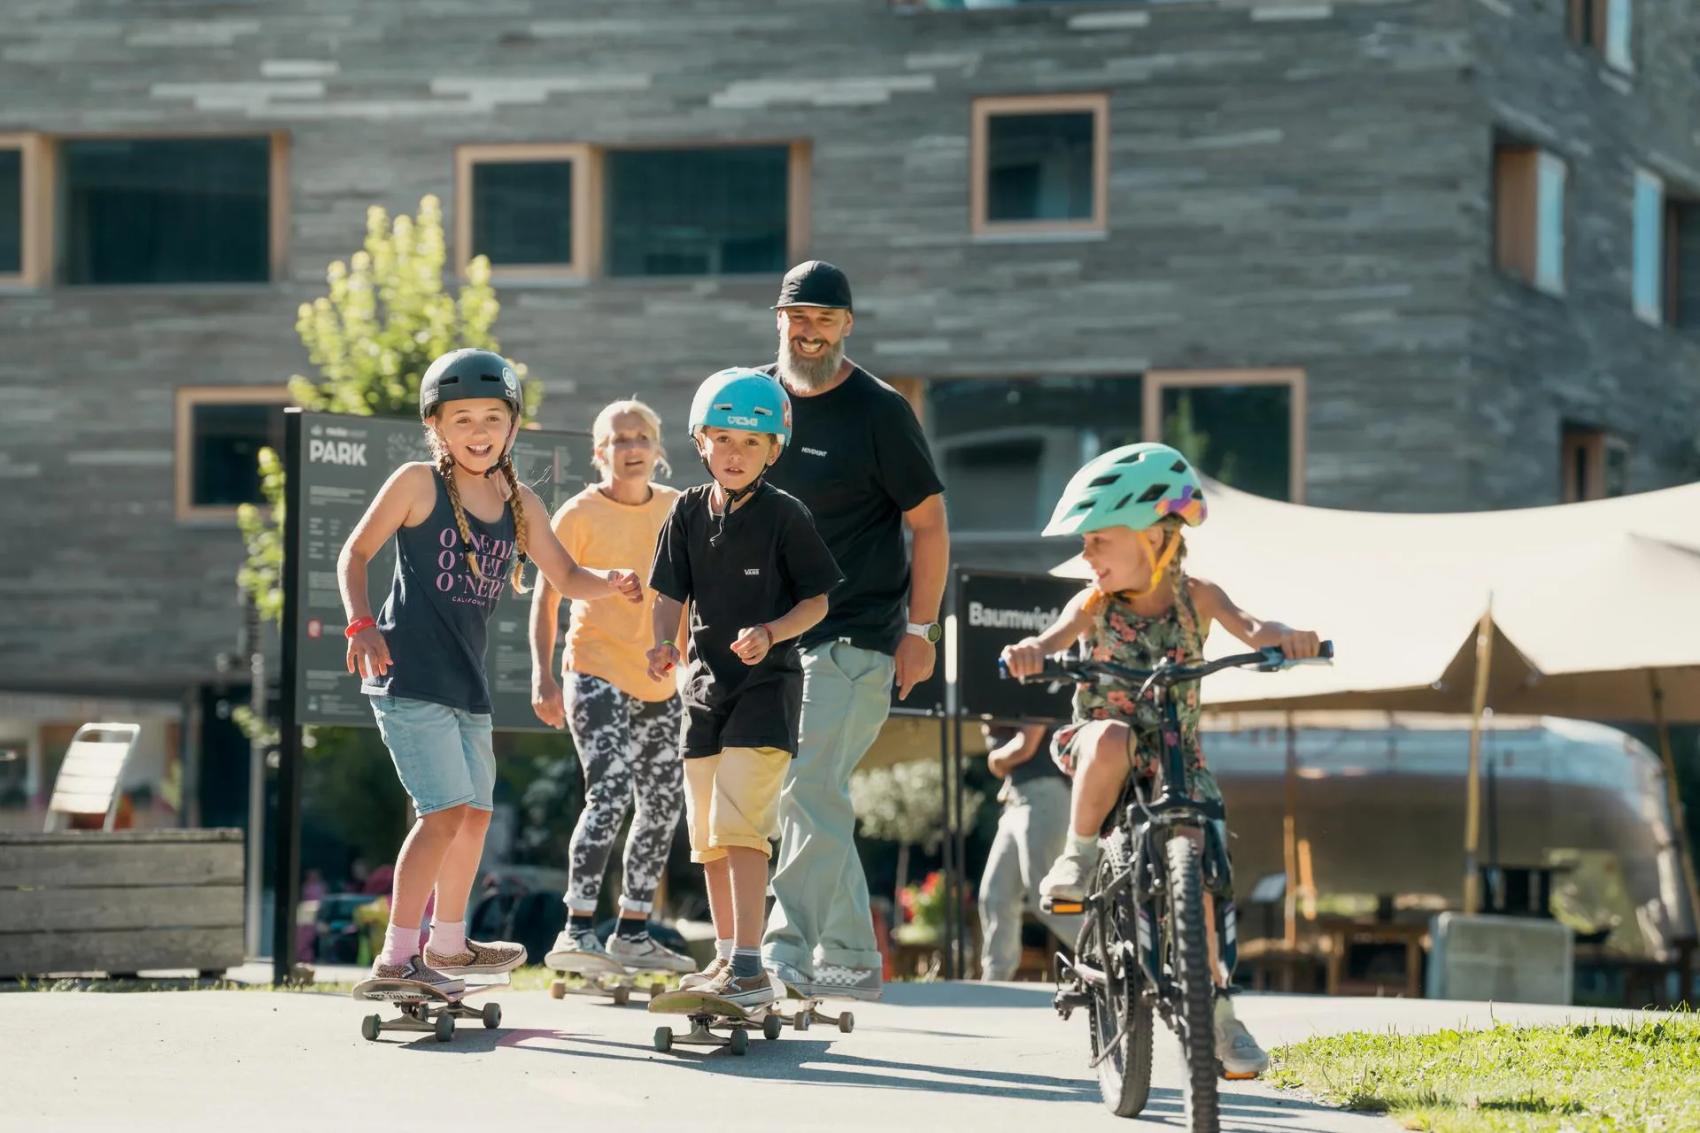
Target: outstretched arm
[558, 567]
[1026, 658]
[1213, 604]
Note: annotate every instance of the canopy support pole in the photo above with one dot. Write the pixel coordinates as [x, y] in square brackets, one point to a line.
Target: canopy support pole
[1473, 796]
[1679, 823]
[1290, 839]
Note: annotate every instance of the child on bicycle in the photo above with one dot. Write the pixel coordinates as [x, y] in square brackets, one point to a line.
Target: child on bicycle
[1129, 506]
[747, 559]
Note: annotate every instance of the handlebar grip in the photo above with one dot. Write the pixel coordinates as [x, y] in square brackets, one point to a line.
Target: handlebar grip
[1326, 651]
[1003, 669]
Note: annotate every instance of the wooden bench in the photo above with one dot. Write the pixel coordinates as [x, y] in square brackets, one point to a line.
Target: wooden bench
[119, 903]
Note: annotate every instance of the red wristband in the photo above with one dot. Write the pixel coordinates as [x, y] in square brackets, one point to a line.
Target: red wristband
[359, 624]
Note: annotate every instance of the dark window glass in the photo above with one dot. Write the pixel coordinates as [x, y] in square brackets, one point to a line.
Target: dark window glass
[166, 211]
[1006, 447]
[697, 212]
[224, 449]
[522, 211]
[11, 211]
[1682, 267]
[1039, 166]
[1240, 435]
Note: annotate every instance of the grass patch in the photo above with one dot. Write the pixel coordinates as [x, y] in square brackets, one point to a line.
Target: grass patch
[1567, 1079]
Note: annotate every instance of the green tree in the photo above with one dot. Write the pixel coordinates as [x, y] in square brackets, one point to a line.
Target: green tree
[904, 803]
[1181, 432]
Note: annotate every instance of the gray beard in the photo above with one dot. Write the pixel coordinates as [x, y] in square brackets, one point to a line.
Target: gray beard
[809, 373]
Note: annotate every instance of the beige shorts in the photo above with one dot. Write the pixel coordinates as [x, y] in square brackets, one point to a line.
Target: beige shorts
[732, 799]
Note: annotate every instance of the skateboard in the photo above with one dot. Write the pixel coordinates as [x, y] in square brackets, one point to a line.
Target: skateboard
[604, 975]
[706, 1012]
[806, 1009]
[424, 1008]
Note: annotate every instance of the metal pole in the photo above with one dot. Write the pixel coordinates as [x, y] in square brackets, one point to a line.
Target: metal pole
[1679, 821]
[286, 848]
[1473, 790]
[1290, 838]
[256, 880]
[959, 961]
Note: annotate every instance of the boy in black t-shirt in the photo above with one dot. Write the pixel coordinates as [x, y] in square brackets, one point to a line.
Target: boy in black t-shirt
[748, 560]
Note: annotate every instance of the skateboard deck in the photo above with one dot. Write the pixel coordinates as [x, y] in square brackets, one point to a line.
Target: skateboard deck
[586, 973]
[707, 1012]
[424, 1008]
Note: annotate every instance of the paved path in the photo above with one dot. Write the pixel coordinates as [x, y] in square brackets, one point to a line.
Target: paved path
[932, 1057]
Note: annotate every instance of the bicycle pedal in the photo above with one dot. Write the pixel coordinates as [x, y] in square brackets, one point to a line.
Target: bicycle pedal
[1226, 1075]
[1062, 908]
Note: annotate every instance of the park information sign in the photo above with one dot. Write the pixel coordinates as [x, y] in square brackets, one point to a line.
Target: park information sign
[340, 463]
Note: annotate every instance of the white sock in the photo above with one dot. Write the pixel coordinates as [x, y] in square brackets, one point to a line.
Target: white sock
[447, 939]
[1079, 847]
[723, 949]
[400, 944]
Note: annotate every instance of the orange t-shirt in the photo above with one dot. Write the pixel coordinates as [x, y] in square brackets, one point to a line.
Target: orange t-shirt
[609, 637]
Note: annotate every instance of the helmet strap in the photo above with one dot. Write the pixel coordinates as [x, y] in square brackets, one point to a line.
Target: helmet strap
[1158, 563]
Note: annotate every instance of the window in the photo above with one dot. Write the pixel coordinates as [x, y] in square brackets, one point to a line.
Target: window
[220, 431]
[1040, 165]
[1006, 447]
[1529, 215]
[1242, 427]
[1596, 464]
[1666, 283]
[1603, 26]
[20, 210]
[723, 211]
[169, 210]
[526, 208]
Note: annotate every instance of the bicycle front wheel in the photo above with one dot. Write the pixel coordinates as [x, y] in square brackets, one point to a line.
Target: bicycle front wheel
[1120, 1016]
[1190, 960]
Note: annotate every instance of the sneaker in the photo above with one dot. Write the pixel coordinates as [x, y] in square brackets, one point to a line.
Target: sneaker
[696, 981]
[1236, 1050]
[479, 959]
[789, 976]
[1069, 876]
[648, 954]
[577, 952]
[414, 969]
[748, 992]
[840, 981]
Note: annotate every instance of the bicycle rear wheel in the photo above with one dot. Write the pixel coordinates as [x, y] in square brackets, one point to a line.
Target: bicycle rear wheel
[1190, 958]
[1119, 1015]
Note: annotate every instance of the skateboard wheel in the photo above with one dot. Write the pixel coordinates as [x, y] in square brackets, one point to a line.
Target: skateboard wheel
[622, 996]
[370, 1026]
[740, 1041]
[445, 1027]
[663, 1039]
[846, 1023]
[492, 1016]
[557, 989]
[771, 1026]
[802, 1020]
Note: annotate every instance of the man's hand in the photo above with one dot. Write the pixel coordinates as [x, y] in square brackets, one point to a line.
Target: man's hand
[547, 702]
[916, 657]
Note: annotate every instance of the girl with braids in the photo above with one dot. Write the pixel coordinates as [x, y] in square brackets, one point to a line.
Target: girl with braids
[464, 528]
[625, 724]
[1129, 507]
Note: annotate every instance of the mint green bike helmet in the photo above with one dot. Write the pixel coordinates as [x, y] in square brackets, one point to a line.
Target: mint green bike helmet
[1132, 486]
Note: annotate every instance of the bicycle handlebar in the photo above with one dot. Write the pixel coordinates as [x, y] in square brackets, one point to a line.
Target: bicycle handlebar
[1269, 659]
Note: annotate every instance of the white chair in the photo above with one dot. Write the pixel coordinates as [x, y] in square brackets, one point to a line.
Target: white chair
[89, 777]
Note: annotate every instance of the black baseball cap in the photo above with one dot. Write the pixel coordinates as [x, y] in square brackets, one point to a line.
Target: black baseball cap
[815, 283]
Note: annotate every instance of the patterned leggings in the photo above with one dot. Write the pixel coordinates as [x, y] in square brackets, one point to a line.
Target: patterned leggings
[627, 747]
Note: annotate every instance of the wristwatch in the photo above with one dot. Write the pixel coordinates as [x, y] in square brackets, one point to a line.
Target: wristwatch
[928, 631]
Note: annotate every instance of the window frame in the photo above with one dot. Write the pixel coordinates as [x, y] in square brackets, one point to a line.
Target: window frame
[35, 230]
[585, 207]
[1590, 26]
[986, 107]
[277, 204]
[1515, 179]
[1593, 443]
[187, 398]
[1157, 381]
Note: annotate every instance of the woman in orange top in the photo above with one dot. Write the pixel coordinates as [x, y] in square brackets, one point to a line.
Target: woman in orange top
[625, 725]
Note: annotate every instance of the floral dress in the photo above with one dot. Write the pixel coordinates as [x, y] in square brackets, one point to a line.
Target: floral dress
[1121, 635]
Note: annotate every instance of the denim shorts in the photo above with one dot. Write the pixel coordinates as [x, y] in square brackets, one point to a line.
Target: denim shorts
[445, 756]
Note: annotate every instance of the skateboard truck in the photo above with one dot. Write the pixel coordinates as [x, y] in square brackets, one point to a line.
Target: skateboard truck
[424, 1010]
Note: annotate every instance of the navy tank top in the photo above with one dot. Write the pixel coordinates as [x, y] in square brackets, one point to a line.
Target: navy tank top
[434, 620]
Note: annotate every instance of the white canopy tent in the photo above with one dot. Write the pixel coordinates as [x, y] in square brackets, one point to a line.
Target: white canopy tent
[1587, 610]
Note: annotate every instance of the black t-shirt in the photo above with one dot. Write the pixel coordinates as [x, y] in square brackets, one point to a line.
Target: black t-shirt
[768, 559]
[1039, 765]
[859, 460]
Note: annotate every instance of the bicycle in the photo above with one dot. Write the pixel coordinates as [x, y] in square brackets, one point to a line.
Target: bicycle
[1142, 945]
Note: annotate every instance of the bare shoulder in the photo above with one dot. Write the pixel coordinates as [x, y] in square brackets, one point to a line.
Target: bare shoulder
[1207, 597]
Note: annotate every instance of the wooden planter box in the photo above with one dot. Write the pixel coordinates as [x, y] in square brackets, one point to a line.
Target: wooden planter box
[122, 902]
